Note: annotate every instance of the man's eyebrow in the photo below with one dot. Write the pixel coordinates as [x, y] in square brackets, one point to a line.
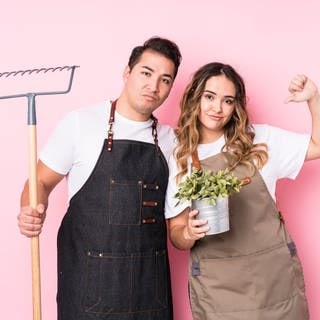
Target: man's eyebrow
[212, 92]
[165, 74]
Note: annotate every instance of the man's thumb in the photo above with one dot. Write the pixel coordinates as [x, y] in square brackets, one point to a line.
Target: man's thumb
[40, 208]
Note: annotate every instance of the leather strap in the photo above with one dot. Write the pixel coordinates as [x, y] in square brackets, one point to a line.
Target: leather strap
[154, 130]
[195, 160]
[111, 122]
[196, 164]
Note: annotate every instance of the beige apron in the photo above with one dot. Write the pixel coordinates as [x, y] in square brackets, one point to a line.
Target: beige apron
[251, 272]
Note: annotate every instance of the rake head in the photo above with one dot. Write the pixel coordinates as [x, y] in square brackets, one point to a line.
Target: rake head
[38, 70]
[7, 74]
[31, 95]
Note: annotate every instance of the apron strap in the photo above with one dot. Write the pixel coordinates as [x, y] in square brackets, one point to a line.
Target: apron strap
[154, 130]
[111, 122]
[195, 160]
[196, 164]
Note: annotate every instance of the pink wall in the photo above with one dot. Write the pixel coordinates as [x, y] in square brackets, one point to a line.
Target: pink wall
[267, 41]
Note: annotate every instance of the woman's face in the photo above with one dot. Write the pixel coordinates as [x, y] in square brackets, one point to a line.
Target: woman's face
[217, 104]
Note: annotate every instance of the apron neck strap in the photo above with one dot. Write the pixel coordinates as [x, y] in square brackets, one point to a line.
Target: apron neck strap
[111, 122]
[195, 160]
[154, 130]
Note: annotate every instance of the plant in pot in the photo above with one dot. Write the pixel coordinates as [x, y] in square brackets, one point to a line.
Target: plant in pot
[209, 192]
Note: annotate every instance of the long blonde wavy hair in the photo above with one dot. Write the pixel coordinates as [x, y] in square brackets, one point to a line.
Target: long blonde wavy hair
[238, 131]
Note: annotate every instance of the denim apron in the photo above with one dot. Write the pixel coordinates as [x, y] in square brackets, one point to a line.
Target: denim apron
[251, 272]
[112, 242]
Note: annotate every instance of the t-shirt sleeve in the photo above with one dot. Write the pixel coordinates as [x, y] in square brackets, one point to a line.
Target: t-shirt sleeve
[173, 209]
[58, 153]
[287, 151]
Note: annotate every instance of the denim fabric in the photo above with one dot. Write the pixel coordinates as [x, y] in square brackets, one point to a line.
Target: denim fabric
[112, 243]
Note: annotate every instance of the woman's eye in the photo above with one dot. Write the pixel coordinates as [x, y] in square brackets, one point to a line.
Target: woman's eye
[147, 74]
[209, 97]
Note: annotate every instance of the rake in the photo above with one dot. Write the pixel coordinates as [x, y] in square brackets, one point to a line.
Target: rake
[32, 146]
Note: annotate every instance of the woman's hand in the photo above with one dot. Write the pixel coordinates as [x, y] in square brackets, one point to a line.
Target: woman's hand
[195, 228]
[302, 89]
[185, 229]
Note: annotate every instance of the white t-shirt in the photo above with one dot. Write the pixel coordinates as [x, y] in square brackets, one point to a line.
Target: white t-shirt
[75, 145]
[286, 150]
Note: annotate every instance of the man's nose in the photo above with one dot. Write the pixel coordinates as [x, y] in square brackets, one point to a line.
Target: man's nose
[154, 85]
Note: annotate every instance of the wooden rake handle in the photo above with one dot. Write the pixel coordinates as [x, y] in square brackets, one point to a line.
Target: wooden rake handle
[33, 198]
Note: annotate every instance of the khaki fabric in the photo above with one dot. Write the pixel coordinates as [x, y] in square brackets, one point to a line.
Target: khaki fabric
[251, 272]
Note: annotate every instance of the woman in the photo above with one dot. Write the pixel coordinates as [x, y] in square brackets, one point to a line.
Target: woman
[252, 271]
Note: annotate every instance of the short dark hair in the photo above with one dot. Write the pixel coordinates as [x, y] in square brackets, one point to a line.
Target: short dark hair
[163, 46]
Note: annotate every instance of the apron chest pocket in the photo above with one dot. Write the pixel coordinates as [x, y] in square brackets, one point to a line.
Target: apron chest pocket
[124, 202]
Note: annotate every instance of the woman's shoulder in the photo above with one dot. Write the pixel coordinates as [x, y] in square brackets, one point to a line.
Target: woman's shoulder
[263, 132]
[261, 128]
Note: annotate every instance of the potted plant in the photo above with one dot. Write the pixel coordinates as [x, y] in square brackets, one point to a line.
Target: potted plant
[209, 192]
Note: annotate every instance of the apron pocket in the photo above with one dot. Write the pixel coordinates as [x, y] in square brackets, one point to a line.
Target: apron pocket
[245, 283]
[124, 202]
[118, 283]
[223, 284]
[274, 276]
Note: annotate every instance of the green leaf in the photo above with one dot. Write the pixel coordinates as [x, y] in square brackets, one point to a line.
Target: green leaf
[204, 184]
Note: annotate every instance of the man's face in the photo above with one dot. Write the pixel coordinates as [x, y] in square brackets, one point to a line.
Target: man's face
[147, 84]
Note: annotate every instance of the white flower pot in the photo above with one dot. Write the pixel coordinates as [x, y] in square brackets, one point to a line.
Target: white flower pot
[217, 216]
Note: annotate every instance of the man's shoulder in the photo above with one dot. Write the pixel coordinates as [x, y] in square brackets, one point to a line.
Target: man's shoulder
[166, 139]
[93, 110]
[95, 113]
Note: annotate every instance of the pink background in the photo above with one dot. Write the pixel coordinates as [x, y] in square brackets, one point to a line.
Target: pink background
[266, 41]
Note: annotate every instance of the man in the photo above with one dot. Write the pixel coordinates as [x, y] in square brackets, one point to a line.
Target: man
[112, 253]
